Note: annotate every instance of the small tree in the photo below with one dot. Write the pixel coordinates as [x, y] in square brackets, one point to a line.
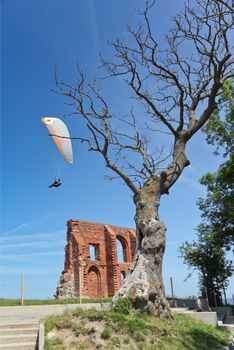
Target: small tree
[217, 208]
[209, 259]
[177, 86]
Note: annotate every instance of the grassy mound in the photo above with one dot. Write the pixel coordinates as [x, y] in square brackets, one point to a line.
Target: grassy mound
[91, 329]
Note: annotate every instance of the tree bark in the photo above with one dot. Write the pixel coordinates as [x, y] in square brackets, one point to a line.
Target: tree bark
[144, 283]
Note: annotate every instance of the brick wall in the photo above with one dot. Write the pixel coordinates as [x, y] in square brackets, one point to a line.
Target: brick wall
[91, 266]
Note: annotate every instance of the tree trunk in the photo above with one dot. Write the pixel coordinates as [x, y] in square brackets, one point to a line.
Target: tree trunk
[144, 283]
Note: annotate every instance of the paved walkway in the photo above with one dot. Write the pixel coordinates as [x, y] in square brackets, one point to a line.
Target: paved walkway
[18, 314]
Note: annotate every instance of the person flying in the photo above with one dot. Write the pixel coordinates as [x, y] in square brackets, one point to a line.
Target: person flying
[56, 183]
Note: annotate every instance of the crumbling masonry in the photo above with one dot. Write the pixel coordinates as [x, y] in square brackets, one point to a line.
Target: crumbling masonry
[91, 266]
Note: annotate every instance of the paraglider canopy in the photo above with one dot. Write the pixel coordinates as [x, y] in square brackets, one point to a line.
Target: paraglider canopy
[61, 137]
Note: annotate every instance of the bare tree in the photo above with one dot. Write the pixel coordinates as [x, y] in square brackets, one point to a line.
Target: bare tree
[178, 87]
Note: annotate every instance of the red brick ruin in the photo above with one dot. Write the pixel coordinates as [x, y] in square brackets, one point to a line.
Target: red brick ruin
[91, 266]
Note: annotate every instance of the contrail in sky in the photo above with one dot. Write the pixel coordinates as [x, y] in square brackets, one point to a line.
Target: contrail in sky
[27, 224]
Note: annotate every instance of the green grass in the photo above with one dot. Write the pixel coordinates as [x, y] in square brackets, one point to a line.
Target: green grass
[112, 330]
[17, 302]
[55, 343]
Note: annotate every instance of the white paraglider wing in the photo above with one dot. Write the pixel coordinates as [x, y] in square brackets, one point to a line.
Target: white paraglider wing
[61, 137]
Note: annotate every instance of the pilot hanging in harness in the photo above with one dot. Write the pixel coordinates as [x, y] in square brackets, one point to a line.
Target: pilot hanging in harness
[56, 183]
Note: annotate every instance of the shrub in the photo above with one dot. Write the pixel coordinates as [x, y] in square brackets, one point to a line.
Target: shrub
[116, 341]
[91, 330]
[106, 333]
[80, 329]
[126, 340]
[98, 346]
[123, 305]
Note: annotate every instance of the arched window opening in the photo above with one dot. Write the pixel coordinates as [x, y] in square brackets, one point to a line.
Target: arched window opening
[121, 250]
[120, 254]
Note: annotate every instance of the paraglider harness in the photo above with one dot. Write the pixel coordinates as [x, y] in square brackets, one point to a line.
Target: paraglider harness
[56, 183]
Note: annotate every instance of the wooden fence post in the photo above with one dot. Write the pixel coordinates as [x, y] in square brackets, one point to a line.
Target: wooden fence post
[172, 292]
[22, 289]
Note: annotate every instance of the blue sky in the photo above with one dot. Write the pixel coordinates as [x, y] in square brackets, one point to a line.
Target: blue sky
[36, 36]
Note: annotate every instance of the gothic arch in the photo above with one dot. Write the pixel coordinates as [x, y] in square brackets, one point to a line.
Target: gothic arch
[125, 248]
[93, 282]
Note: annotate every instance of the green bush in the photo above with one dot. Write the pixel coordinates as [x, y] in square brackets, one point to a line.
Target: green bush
[123, 305]
[106, 333]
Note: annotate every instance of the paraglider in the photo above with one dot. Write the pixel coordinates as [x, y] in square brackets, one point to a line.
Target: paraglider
[61, 137]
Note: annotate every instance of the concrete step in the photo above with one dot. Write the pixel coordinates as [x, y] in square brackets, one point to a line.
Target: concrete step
[229, 320]
[228, 328]
[17, 346]
[179, 309]
[18, 325]
[20, 338]
[15, 331]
